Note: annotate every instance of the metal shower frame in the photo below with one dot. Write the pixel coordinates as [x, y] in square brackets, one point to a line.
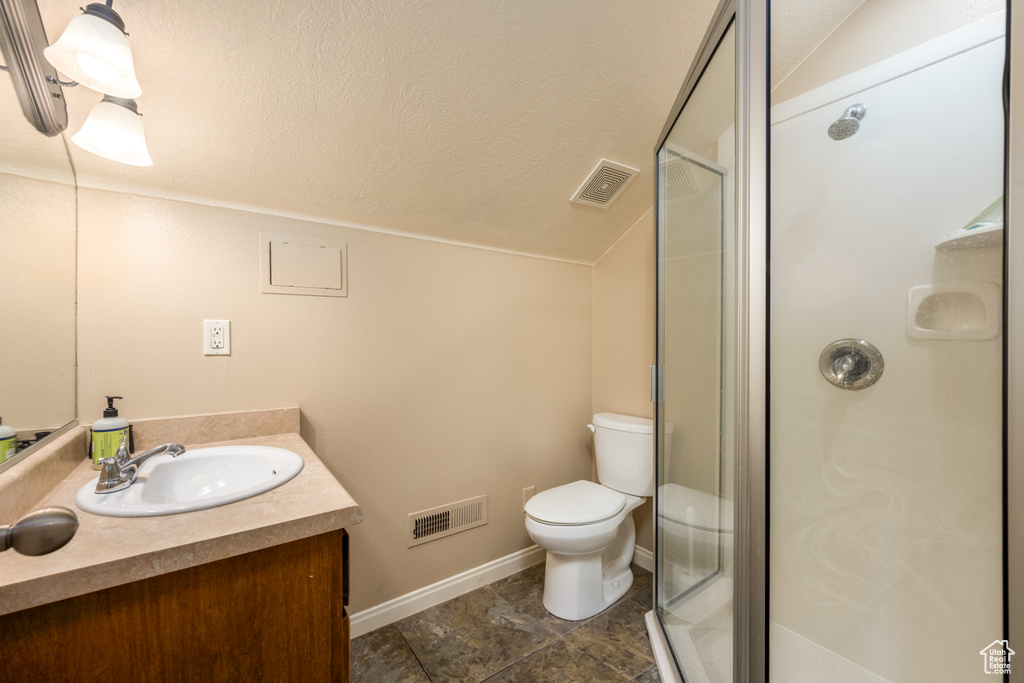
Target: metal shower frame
[751, 258]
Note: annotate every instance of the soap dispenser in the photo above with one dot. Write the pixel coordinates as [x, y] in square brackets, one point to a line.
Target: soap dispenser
[107, 433]
[8, 442]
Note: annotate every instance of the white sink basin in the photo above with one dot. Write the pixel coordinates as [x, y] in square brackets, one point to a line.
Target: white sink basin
[195, 480]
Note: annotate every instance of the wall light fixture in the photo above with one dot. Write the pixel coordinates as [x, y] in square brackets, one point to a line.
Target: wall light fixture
[94, 51]
[113, 131]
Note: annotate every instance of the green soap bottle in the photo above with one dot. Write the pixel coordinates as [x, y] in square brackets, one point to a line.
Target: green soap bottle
[107, 433]
[8, 442]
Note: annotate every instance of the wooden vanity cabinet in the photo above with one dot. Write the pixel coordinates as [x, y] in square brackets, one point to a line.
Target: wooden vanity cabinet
[276, 614]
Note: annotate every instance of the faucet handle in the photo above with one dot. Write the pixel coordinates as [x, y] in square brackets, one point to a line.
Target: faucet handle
[842, 366]
[122, 450]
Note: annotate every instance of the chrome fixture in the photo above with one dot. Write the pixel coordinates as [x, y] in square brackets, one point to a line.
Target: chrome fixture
[22, 39]
[851, 364]
[40, 532]
[119, 472]
[94, 52]
[847, 124]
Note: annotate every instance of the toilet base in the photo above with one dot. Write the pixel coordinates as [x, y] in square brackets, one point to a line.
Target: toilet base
[577, 587]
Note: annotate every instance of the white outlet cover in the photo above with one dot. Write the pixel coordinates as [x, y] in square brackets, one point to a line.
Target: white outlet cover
[208, 330]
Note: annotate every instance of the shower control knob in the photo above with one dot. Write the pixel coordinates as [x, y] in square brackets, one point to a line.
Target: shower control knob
[851, 364]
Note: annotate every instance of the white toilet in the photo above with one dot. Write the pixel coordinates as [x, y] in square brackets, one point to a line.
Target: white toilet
[587, 528]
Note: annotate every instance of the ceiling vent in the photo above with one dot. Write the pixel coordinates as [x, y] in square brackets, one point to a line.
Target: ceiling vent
[677, 180]
[604, 184]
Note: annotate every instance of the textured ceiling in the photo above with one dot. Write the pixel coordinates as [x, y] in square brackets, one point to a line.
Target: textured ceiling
[465, 120]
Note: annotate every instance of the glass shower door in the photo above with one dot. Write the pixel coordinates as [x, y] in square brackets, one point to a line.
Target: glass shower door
[694, 499]
[886, 466]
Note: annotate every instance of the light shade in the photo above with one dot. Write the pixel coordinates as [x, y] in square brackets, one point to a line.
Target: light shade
[94, 51]
[114, 131]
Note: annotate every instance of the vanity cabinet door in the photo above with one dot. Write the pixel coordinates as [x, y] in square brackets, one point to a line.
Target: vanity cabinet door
[272, 615]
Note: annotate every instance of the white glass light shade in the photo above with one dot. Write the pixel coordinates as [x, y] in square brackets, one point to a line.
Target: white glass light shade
[96, 53]
[114, 131]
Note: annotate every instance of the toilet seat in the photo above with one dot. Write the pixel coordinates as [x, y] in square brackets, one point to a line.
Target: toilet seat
[579, 503]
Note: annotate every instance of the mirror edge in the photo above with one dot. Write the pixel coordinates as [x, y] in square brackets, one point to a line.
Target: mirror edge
[38, 445]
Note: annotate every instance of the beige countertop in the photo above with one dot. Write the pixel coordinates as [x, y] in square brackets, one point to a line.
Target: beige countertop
[110, 551]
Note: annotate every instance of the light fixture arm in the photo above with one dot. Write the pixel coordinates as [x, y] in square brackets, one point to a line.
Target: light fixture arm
[57, 81]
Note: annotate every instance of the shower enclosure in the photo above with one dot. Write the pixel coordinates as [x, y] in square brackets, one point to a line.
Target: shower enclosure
[835, 367]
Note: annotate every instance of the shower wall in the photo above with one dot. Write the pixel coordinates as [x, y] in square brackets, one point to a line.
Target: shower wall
[875, 30]
[885, 543]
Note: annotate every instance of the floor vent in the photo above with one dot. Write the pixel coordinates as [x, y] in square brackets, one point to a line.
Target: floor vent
[605, 183]
[428, 525]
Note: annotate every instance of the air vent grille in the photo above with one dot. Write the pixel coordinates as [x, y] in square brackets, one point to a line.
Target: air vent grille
[605, 183]
[445, 520]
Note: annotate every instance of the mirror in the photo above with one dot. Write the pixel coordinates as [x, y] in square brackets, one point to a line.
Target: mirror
[38, 218]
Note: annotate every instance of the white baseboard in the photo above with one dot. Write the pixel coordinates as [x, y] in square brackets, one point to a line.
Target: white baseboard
[643, 558]
[406, 605]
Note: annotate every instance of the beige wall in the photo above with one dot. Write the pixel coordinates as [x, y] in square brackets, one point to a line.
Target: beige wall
[624, 336]
[37, 303]
[447, 372]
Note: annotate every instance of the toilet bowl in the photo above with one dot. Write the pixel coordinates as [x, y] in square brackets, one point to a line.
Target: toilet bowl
[586, 528]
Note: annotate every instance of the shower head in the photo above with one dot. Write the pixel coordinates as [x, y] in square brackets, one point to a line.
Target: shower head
[848, 123]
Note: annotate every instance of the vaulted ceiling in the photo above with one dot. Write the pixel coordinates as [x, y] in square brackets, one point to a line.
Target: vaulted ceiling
[465, 120]
[471, 121]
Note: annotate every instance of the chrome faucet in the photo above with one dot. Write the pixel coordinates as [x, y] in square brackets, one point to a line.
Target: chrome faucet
[119, 472]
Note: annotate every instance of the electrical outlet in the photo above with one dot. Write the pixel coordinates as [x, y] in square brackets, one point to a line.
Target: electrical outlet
[528, 493]
[217, 337]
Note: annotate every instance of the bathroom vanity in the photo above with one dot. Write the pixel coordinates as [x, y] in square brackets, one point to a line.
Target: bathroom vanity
[253, 590]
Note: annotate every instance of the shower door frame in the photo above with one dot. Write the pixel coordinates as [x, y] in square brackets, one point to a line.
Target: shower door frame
[750, 606]
[1013, 339]
[750, 645]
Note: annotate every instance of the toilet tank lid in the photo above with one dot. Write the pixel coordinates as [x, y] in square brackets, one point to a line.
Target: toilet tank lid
[581, 502]
[624, 423]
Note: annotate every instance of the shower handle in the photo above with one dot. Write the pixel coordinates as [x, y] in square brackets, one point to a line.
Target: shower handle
[851, 364]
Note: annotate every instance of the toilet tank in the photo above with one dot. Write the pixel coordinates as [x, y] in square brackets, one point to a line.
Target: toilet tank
[624, 449]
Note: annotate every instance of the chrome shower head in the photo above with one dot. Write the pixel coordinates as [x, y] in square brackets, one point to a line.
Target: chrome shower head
[848, 123]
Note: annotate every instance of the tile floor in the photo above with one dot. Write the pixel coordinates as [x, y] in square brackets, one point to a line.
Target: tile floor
[501, 633]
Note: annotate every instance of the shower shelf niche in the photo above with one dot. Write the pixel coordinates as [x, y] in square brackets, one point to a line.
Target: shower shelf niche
[988, 234]
[986, 230]
[967, 311]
